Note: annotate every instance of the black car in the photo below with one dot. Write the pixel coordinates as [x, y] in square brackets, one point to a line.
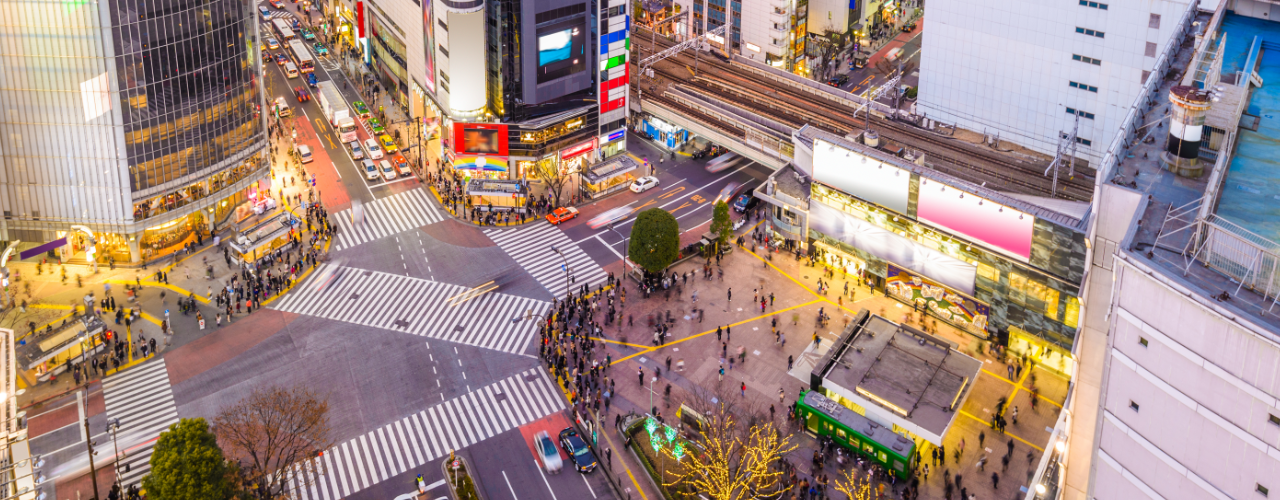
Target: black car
[837, 81]
[583, 460]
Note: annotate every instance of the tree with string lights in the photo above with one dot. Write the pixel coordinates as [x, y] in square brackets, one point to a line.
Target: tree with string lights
[735, 461]
[855, 485]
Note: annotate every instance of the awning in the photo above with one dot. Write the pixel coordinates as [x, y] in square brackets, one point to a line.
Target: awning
[484, 187]
[610, 169]
[44, 345]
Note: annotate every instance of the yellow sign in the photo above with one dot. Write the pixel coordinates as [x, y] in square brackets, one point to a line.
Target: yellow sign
[527, 137]
[573, 124]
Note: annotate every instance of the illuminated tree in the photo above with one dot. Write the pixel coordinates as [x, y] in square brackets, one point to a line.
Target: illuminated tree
[854, 485]
[735, 461]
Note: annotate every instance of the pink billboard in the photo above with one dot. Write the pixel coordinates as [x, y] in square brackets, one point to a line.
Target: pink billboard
[975, 218]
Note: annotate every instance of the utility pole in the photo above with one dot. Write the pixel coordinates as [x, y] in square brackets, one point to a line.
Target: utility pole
[1066, 147]
[93, 472]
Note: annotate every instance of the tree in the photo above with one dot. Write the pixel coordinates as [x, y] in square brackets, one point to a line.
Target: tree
[655, 240]
[736, 460]
[550, 173]
[276, 429]
[187, 464]
[721, 226]
[855, 485]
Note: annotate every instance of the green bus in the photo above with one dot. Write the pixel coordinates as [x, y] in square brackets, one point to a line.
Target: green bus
[823, 417]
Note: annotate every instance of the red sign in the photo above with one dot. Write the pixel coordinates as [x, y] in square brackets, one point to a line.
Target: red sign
[573, 151]
[360, 19]
[480, 139]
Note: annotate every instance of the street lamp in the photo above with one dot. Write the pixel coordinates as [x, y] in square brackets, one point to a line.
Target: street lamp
[620, 239]
[113, 426]
[566, 268]
[651, 407]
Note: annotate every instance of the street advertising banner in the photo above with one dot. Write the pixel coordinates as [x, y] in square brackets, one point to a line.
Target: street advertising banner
[955, 308]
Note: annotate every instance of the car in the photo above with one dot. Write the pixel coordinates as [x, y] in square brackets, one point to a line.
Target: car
[281, 59]
[277, 4]
[376, 126]
[311, 79]
[307, 34]
[838, 80]
[583, 460]
[357, 152]
[304, 152]
[370, 170]
[282, 107]
[266, 14]
[361, 110]
[296, 25]
[402, 165]
[273, 43]
[388, 144]
[388, 171]
[561, 214]
[644, 184]
[301, 94]
[266, 56]
[745, 202]
[547, 452]
[610, 216]
[371, 146]
[321, 50]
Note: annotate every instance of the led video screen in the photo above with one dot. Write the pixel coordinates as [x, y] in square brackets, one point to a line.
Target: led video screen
[562, 50]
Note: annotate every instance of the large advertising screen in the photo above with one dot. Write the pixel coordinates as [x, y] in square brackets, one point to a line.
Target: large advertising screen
[977, 219]
[428, 40]
[480, 139]
[861, 176]
[562, 49]
[889, 246]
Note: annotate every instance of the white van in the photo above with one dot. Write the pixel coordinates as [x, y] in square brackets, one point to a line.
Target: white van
[290, 70]
[282, 107]
[305, 152]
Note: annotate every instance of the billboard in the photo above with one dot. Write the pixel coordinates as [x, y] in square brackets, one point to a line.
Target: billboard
[975, 218]
[861, 176]
[889, 246]
[428, 40]
[562, 49]
[956, 308]
[480, 139]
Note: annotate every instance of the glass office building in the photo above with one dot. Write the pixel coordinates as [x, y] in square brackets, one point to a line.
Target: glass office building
[127, 126]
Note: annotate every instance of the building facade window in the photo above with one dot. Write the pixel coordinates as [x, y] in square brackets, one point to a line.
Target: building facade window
[1086, 59]
[1087, 31]
[1081, 114]
[1095, 5]
[1081, 86]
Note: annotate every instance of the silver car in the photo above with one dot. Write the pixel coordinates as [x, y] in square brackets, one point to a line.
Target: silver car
[548, 454]
[357, 152]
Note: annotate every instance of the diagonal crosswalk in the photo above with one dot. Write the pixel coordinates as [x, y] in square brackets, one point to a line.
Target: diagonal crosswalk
[418, 306]
[531, 247]
[384, 217]
[421, 438]
[143, 401]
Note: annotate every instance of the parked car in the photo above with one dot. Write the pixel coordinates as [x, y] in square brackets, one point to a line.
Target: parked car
[745, 202]
[304, 152]
[562, 214]
[547, 453]
[282, 107]
[644, 184]
[583, 460]
[357, 152]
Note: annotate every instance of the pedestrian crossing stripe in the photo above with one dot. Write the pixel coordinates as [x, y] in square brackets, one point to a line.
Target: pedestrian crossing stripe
[417, 306]
[384, 217]
[142, 400]
[530, 246]
[419, 439]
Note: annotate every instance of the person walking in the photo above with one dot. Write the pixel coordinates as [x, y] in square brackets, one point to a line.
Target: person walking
[744, 389]
[640, 376]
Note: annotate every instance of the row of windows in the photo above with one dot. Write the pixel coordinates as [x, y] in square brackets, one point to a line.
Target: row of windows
[1081, 114]
[1086, 59]
[1087, 31]
[1081, 86]
[1095, 5]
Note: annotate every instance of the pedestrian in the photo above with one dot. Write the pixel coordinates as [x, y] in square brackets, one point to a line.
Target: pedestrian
[982, 436]
[781, 395]
[789, 361]
[640, 376]
[608, 455]
[744, 389]
[995, 480]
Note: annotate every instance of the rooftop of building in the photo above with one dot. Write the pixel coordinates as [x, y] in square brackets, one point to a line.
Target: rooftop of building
[1179, 208]
[920, 377]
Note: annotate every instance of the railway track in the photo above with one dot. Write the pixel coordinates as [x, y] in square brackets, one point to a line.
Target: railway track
[722, 81]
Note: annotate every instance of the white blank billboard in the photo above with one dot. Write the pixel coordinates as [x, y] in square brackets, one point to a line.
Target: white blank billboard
[866, 178]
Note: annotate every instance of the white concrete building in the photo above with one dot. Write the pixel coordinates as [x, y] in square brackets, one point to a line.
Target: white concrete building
[1026, 69]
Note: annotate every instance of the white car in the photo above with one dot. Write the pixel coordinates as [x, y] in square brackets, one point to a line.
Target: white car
[370, 170]
[547, 453]
[388, 172]
[357, 153]
[644, 184]
[375, 151]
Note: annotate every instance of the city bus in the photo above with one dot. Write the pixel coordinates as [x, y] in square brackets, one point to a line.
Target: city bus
[283, 30]
[301, 56]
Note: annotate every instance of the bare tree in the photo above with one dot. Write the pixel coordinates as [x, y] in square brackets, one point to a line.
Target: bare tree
[273, 433]
[555, 178]
[738, 448]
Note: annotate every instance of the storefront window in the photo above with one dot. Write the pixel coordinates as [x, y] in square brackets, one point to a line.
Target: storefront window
[165, 238]
[1072, 319]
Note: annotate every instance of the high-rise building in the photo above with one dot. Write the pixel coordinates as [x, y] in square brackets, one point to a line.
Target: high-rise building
[1027, 70]
[127, 128]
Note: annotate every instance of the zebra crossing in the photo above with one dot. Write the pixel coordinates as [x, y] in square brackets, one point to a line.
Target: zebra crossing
[143, 401]
[279, 14]
[421, 438]
[421, 307]
[531, 247]
[384, 217]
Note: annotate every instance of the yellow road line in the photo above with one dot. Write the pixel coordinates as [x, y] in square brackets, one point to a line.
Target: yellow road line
[1010, 434]
[1019, 384]
[158, 284]
[670, 194]
[602, 339]
[691, 337]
